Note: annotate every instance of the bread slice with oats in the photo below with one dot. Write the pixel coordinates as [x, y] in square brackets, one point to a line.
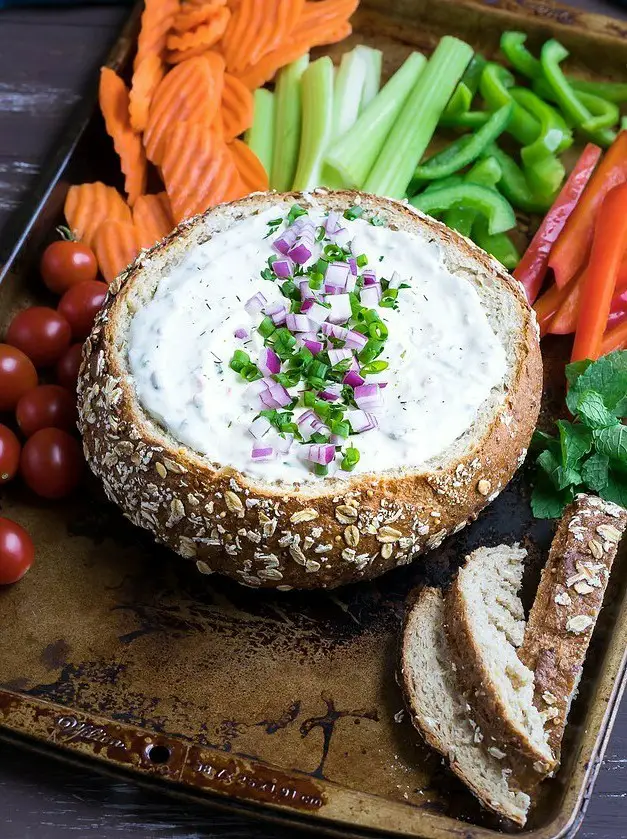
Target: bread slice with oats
[567, 605]
[440, 711]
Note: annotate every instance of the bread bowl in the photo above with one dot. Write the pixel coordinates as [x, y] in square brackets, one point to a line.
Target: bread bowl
[278, 524]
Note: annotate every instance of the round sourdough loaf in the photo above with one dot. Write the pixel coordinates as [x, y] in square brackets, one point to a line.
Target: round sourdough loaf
[320, 533]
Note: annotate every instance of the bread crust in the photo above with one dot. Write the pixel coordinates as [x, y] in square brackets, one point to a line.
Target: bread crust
[567, 605]
[286, 536]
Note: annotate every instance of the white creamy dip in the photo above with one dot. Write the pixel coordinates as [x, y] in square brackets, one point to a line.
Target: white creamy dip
[444, 358]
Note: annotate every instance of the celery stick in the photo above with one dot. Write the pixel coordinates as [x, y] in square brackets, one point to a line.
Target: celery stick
[287, 124]
[317, 92]
[414, 128]
[347, 92]
[354, 154]
[260, 135]
[373, 60]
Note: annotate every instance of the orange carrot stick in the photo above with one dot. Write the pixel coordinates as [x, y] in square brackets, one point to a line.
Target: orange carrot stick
[237, 107]
[152, 218]
[192, 16]
[614, 339]
[145, 81]
[116, 244]
[608, 246]
[88, 205]
[203, 36]
[114, 104]
[249, 166]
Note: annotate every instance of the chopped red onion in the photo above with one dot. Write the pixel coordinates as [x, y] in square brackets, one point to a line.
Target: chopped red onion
[369, 276]
[306, 292]
[276, 311]
[370, 296]
[269, 362]
[313, 345]
[302, 249]
[274, 395]
[332, 223]
[298, 323]
[255, 304]
[332, 330]
[352, 264]
[351, 282]
[241, 332]
[361, 421]
[336, 274]
[331, 392]
[255, 388]
[379, 378]
[282, 268]
[337, 440]
[355, 340]
[308, 424]
[369, 397]
[353, 379]
[322, 454]
[318, 313]
[285, 241]
[260, 427]
[335, 356]
[262, 453]
[283, 443]
[340, 310]
[306, 305]
[395, 280]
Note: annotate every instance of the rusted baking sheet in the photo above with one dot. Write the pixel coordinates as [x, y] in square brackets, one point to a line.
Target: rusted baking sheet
[283, 705]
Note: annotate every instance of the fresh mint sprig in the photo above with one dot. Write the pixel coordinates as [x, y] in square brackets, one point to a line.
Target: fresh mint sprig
[590, 453]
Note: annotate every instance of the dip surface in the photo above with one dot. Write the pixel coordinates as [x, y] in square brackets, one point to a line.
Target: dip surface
[444, 358]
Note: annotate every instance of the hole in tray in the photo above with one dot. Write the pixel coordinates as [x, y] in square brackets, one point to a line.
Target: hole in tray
[159, 754]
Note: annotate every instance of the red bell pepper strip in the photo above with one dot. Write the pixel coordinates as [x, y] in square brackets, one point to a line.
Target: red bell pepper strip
[615, 339]
[572, 247]
[565, 320]
[547, 306]
[608, 247]
[532, 268]
[618, 309]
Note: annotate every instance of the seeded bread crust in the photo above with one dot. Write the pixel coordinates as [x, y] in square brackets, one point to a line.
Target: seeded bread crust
[441, 714]
[319, 534]
[567, 605]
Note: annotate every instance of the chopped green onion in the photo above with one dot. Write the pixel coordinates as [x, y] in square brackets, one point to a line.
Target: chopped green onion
[289, 379]
[315, 280]
[240, 359]
[317, 93]
[350, 459]
[378, 330]
[296, 211]
[250, 372]
[309, 398]
[260, 135]
[320, 469]
[321, 407]
[266, 327]
[321, 267]
[341, 428]
[377, 221]
[287, 124]
[414, 128]
[320, 233]
[353, 213]
[374, 367]
[361, 260]
[372, 349]
[354, 154]
[290, 290]
[317, 437]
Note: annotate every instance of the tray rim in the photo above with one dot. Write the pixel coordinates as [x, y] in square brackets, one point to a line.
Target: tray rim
[576, 796]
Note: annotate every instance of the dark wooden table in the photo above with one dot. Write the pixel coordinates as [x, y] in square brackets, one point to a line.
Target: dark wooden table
[47, 59]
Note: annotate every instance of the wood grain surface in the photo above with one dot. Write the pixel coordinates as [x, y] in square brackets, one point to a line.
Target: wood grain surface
[48, 59]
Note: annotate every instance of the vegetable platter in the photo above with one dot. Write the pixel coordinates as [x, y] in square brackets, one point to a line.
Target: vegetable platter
[286, 707]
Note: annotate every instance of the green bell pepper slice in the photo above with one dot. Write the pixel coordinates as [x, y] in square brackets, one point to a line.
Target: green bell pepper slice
[462, 97]
[486, 172]
[499, 245]
[610, 91]
[465, 150]
[495, 86]
[555, 136]
[605, 114]
[514, 184]
[514, 49]
[472, 120]
[602, 136]
[488, 202]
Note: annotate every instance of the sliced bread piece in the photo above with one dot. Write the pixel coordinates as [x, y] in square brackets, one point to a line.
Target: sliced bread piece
[485, 626]
[567, 605]
[440, 711]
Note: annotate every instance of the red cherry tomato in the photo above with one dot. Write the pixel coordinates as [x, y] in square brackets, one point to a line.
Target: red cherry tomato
[80, 304]
[68, 366]
[43, 334]
[9, 454]
[46, 406]
[16, 552]
[51, 463]
[17, 376]
[65, 263]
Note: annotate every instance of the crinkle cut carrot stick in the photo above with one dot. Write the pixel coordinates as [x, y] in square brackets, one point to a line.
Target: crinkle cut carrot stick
[203, 36]
[115, 244]
[237, 107]
[156, 22]
[88, 205]
[249, 166]
[192, 15]
[114, 104]
[152, 218]
[146, 79]
[324, 13]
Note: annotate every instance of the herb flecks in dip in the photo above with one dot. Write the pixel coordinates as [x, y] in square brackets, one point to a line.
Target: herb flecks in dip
[312, 344]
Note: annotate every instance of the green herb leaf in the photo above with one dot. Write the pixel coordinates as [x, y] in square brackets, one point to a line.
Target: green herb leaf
[616, 489]
[592, 410]
[560, 476]
[612, 442]
[594, 471]
[575, 369]
[575, 442]
[608, 377]
[546, 503]
[542, 440]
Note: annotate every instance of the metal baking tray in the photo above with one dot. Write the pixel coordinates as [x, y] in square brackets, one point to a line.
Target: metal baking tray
[282, 705]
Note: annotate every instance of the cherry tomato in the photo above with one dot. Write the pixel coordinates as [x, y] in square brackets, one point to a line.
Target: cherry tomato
[51, 463]
[16, 552]
[46, 406]
[68, 366]
[79, 306]
[43, 334]
[65, 263]
[9, 454]
[17, 376]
